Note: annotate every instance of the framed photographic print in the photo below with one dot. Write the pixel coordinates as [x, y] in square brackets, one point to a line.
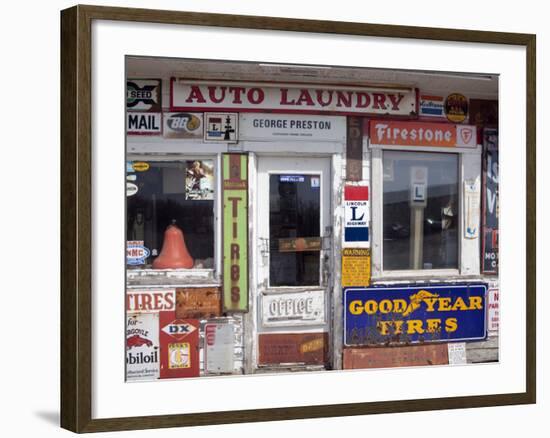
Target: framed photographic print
[291, 219]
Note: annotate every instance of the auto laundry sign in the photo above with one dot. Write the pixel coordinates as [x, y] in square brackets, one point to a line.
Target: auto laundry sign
[383, 315]
[304, 127]
[395, 133]
[189, 95]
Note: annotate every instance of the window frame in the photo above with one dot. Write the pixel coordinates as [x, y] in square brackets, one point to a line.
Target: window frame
[469, 168]
[184, 277]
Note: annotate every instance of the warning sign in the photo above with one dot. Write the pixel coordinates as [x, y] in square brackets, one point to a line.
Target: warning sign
[355, 267]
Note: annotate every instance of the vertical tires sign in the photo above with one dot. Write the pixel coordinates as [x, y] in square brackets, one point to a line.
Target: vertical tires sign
[235, 232]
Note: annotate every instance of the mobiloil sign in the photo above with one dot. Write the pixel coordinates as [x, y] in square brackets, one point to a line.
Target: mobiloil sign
[382, 315]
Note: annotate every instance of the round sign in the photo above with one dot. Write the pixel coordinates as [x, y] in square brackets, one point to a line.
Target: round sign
[456, 107]
[131, 189]
[140, 166]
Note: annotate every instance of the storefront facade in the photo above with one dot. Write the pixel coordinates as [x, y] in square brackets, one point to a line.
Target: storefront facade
[278, 226]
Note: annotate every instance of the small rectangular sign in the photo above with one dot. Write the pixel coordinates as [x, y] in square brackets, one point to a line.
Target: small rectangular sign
[471, 209]
[390, 357]
[150, 300]
[414, 314]
[142, 346]
[293, 348]
[144, 95]
[219, 349]
[293, 308]
[457, 353]
[356, 267]
[179, 346]
[198, 302]
[356, 215]
[143, 123]
[398, 133]
[183, 125]
[299, 244]
[432, 106]
[221, 127]
[493, 311]
[235, 232]
[283, 127]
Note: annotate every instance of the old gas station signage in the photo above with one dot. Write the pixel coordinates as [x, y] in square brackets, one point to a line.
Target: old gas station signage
[179, 346]
[418, 314]
[293, 308]
[355, 267]
[189, 95]
[293, 348]
[389, 357]
[198, 302]
[235, 232]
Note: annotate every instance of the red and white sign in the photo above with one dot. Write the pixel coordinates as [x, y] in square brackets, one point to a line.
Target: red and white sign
[189, 95]
[395, 133]
[219, 347]
[142, 346]
[150, 300]
[356, 215]
[492, 314]
[179, 347]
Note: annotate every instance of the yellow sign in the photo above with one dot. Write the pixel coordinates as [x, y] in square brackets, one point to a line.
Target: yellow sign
[355, 267]
[140, 166]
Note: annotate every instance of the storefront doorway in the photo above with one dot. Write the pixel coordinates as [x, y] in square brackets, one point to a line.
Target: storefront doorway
[294, 243]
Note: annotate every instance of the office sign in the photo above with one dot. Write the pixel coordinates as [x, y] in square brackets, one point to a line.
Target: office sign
[192, 95]
[403, 133]
[235, 232]
[415, 314]
[293, 308]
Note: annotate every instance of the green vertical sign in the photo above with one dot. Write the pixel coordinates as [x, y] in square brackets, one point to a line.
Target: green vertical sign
[235, 232]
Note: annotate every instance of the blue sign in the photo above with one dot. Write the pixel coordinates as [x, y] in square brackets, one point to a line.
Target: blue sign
[291, 178]
[382, 315]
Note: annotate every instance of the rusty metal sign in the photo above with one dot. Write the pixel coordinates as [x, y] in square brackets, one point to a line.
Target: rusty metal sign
[354, 149]
[293, 308]
[389, 357]
[219, 347]
[299, 244]
[293, 348]
[198, 302]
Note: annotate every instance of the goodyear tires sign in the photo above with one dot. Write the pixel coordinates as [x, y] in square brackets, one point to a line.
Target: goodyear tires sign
[381, 315]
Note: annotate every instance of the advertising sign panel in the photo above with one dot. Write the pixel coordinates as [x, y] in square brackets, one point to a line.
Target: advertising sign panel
[356, 215]
[414, 314]
[179, 346]
[143, 123]
[219, 340]
[389, 357]
[397, 133]
[190, 95]
[144, 95]
[235, 232]
[142, 346]
[182, 125]
[293, 348]
[198, 302]
[150, 300]
[490, 201]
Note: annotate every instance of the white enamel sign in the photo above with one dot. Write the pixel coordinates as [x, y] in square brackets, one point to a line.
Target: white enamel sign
[219, 340]
[293, 308]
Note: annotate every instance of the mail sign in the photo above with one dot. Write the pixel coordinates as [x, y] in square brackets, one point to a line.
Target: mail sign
[418, 314]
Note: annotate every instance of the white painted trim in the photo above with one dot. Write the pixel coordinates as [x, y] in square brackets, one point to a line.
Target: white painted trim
[448, 150]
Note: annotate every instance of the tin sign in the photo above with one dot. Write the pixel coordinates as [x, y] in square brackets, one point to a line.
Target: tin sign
[493, 311]
[398, 133]
[356, 215]
[182, 125]
[143, 123]
[356, 265]
[416, 314]
[144, 95]
[284, 127]
[390, 357]
[198, 302]
[221, 127]
[293, 308]
[150, 300]
[219, 340]
[235, 232]
[293, 348]
[456, 107]
[490, 196]
[179, 347]
[136, 252]
[190, 95]
[432, 106]
[142, 346]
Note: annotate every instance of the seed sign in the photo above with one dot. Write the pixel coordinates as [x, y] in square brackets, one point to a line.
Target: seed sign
[414, 314]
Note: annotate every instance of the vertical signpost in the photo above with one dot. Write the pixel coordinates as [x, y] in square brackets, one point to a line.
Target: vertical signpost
[235, 232]
[490, 202]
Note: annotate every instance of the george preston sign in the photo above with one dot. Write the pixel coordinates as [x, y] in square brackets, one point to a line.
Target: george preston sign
[189, 95]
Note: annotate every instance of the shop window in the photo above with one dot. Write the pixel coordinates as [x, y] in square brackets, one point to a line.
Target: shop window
[421, 210]
[173, 195]
[294, 230]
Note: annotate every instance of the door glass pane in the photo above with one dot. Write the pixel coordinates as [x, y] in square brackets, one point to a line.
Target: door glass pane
[294, 229]
[420, 210]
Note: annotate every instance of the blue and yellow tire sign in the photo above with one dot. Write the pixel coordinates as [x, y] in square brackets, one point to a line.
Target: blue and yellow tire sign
[413, 314]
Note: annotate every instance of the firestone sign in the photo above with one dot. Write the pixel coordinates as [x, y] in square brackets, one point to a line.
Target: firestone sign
[186, 95]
